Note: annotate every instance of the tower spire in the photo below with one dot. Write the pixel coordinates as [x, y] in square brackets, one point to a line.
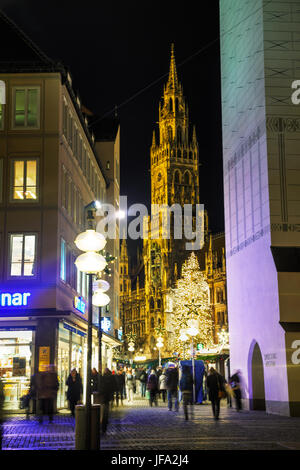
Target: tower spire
[173, 79]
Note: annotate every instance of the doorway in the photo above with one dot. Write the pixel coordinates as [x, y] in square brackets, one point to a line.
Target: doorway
[256, 380]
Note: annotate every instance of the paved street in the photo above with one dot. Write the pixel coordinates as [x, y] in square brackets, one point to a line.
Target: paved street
[139, 427]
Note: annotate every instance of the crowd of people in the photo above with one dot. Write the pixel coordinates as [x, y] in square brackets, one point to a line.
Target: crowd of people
[171, 384]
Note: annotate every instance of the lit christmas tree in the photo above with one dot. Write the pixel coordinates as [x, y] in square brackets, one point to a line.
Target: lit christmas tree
[191, 316]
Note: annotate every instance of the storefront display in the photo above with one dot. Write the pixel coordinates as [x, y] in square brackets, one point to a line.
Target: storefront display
[16, 352]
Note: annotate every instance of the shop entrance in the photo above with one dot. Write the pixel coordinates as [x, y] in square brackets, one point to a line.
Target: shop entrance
[16, 366]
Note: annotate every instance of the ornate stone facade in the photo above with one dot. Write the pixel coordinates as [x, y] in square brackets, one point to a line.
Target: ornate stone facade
[174, 158]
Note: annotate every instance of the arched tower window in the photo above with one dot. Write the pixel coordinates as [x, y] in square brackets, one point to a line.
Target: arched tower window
[177, 105]
[151, 303]
[187, 178]
[177, 177]
[179, 135]
[170, 134]
[152, 323]
[170, 104]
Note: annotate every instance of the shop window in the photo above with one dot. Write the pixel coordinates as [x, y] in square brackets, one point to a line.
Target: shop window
[24, 179]
[26, 107]
[23, 255]
[15, 365]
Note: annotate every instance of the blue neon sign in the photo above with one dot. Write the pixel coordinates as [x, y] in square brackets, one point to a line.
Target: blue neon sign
[15, 299]
[79, 304]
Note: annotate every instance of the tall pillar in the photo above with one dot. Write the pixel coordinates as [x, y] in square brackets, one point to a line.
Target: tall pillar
[261, 147]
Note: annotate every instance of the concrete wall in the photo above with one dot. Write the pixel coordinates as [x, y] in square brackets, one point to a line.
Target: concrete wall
[258, 61]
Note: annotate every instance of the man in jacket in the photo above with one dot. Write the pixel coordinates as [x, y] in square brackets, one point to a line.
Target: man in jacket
[46, 392]
[143, 381]
[186, 387]
[107, 389]
[172, 386]
[215, 384]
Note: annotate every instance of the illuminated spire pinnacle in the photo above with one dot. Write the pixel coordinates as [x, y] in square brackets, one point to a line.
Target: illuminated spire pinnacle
[173, 79]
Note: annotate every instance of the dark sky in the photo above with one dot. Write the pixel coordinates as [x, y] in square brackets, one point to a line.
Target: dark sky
[115, 50]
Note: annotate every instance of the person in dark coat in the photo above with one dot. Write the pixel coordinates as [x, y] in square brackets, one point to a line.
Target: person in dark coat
[215, 384]
[186, 387]
[172, 386]
[94, 380]
[120, 384]
[46, 392]
[152, 386]
[143, 381]
[235, 384]
[107, 389]
[75, 390]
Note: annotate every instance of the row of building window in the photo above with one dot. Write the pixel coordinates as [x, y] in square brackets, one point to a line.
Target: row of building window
[79, 150]
[68, 271]
[23, 261]
[25, 108]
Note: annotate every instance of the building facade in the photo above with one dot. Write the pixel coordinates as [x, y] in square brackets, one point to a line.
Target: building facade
[174, 162]
[261, 144]
[49, 172]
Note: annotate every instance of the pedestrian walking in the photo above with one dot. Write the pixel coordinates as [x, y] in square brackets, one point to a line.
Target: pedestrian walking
[152, 386]
[107, 389]
[130, 385]
[172, 386]
[162, 381]
[186, 387]
[216, 390]
[75, 389]
[120, 383]
[143, 382]
[94, 380]
[235, 384]
[46, 392]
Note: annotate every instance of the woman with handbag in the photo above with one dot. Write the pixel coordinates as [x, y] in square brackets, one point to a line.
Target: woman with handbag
[216, 390]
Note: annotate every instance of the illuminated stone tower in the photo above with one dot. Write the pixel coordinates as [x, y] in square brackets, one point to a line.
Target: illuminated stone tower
[174, 180]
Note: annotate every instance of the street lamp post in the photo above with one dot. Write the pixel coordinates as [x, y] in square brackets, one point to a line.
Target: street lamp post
[90, 263]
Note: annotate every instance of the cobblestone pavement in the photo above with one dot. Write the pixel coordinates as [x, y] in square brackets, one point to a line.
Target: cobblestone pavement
[140, 427]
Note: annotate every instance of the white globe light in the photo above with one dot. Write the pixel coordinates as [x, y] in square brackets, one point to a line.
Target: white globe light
[90, 240]
[100, 299]
[90, 262]
[183, 337]
[193, 331]
[102, 285]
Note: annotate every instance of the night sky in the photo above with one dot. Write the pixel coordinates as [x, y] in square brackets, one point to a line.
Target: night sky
[117, 49]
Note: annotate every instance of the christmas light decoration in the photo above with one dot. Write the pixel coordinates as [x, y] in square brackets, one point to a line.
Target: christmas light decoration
[191, 314]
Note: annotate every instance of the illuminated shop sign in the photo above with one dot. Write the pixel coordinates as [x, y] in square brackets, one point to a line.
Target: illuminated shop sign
[74, 330]
[105, 324]
[79, 304]
[16, 299]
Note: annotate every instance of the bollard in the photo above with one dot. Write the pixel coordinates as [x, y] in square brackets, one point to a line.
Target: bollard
[80, 427]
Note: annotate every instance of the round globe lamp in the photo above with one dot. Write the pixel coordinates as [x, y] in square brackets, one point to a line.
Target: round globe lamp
[90, 240]
[100, 299]
[90, 262]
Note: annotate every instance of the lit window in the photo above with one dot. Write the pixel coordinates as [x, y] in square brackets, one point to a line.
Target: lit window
[24, 180]
[22, 255]
[26, 107]
[1, 116]
[63, 260]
